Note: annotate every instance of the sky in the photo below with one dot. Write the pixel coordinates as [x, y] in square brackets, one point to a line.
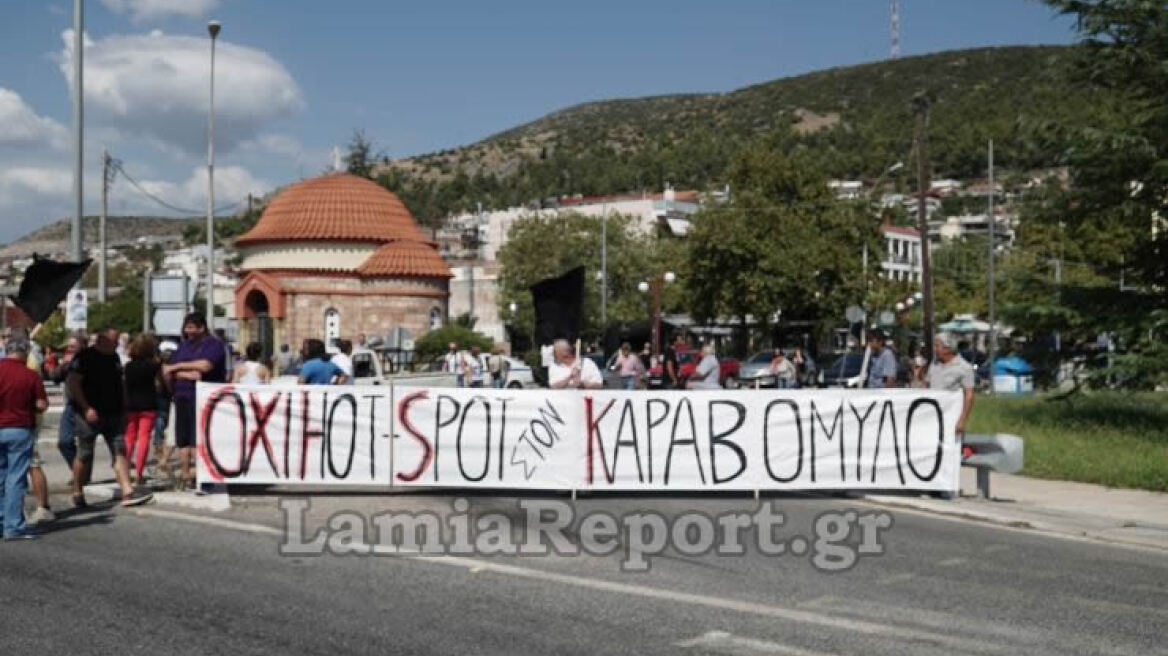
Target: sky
[295, 78]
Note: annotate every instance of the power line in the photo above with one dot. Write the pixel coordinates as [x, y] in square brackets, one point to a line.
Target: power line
[182, 210]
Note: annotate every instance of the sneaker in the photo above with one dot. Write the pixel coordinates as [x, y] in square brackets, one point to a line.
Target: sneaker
[23, 535]
[79, 502]
[137, 498]
[42, 515]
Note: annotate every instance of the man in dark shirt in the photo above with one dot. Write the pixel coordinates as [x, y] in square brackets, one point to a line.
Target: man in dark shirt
[200, 357]
[672, 374]
[97, 399]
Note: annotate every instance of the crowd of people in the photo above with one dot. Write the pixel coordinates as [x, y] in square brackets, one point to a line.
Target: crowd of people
[119, 388]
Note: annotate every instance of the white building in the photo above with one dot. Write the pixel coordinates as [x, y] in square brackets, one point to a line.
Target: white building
[192, 262]
[973, 225]
[846, 189]
[902, 258]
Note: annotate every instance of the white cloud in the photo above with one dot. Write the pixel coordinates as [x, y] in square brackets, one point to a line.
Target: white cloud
[156, 86]
[19, 182]
[144, 10]
[21, 126]
[282, 145]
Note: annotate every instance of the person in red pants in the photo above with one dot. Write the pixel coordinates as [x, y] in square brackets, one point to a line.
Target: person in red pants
[144, 383]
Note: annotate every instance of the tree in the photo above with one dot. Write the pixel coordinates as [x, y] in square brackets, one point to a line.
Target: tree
[434, 343]
[783, 244]
[123, 311]
[361, 156]
[52, 332]
[544, 246]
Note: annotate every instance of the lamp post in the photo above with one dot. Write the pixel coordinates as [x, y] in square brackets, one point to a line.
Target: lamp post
[213, 28]
[656, 286]
[893, 168]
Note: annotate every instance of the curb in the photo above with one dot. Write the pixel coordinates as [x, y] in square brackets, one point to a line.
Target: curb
[206, 502]
[967, 513]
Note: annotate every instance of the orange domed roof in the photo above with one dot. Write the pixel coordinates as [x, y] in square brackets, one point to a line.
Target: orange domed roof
[405, 258]
[334, 207]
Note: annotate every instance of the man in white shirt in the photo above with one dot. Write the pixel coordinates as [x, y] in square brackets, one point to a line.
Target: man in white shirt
[452, 362]
[569, 372]
[708, 371]
[950, 371]
[343, 360]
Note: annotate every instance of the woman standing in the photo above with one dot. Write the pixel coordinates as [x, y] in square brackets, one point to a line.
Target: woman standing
[629, 367]
[252, 371]
[144, 384]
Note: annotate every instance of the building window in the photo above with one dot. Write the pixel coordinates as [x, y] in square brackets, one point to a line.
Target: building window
[435, 318]
[332, 325]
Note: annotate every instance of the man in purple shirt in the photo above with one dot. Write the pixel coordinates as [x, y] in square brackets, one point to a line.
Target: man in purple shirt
[199, 357]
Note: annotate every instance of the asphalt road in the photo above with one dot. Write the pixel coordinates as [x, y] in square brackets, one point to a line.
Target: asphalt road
[159, 581]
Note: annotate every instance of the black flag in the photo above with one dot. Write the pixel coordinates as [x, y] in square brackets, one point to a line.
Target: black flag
[45, 284]
[559, 303]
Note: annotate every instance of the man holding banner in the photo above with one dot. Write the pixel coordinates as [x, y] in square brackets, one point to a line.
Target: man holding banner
[570, 371]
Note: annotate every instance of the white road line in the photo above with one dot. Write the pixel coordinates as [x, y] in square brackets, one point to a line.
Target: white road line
[952, 562]
[891, 631]
[728, 643]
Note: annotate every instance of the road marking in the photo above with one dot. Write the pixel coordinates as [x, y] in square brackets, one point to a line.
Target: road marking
[896, 578]
[952, 562]
[728, 643]
[893, 631]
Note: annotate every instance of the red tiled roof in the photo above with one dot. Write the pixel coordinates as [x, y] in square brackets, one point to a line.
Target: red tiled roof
[334, 207]
[405, 258]
[900, 230]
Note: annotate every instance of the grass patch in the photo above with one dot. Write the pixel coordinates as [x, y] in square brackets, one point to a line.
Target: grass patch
[1107, 438]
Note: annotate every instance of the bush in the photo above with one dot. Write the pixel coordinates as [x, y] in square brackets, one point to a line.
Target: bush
[433, 344]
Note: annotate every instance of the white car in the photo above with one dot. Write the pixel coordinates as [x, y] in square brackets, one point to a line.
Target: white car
[519, 375]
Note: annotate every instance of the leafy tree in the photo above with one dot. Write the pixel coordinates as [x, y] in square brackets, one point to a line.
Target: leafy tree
[52, 332]
[361, 157]
[434, 343]
[783, 244]
[122, 311]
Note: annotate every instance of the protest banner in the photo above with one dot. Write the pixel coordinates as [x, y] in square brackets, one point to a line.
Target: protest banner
[582, 440]
[303, 434]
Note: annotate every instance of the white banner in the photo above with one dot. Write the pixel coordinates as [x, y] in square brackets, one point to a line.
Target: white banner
[564, 440]
[306, 434]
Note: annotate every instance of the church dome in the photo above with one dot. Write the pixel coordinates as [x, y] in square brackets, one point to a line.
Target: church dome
[334, 207]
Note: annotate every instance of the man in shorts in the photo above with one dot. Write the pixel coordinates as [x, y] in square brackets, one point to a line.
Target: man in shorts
[200, 357]
[97, 400]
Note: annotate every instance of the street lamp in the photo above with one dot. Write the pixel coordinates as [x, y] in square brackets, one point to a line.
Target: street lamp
[893, 168]
[213, 28]
[657, 285]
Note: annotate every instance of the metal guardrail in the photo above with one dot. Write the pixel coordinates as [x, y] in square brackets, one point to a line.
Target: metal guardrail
[1001, 453]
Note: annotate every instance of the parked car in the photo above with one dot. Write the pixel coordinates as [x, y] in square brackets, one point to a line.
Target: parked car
[756, 371]
[846, 371]
[519, 374]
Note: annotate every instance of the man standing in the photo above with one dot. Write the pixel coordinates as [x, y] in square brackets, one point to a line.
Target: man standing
[473, 371]
[452, 362]
[200, 357]
[22, 397]
[672, 377]
[97, 399]
[706, 375]
[344, 360]
[570, 372]
[882, 363]
[318, 367]
[285, 359]
[951, 372]
[65, 443]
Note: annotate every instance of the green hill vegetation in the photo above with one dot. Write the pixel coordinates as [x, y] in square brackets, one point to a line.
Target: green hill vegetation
[853, 121]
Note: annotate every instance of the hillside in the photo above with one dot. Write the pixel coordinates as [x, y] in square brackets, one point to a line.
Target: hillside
[54, 238]
[855, 120]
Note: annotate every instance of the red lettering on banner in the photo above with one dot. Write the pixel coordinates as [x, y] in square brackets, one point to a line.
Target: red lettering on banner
[428, 450]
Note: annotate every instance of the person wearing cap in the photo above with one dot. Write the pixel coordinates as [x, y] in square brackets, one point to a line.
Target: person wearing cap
[952, 372]
[200, 357]
[22, 397]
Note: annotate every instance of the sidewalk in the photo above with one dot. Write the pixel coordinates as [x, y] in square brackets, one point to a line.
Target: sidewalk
[1134, 517]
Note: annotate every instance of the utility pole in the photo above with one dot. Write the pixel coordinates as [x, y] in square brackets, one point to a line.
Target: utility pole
[604, 272]
[921, 107]
[78, 126]
[993, 345]
[107, 177]
[213, 28]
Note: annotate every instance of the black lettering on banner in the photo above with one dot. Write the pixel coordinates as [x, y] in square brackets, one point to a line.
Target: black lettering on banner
[720, 439]
[439, 425]
[836, 422]
[351, 401]
[487, 435]
[548, 414]
[887, 411]
[373, 398]
[259, 435]
[288, 436]
[912, 408]
[652, 423]
[766, 439]
[209, 414]
[626, 412]
[693, 440]
[593, 422]
[502, 432]
[860, 434]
